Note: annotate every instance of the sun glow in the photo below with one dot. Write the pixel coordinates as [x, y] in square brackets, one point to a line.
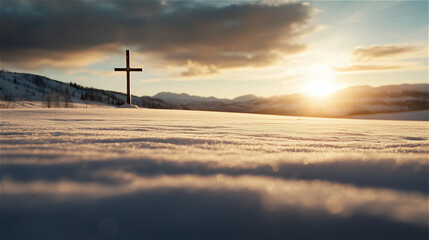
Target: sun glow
[319, 82]
[319, 87]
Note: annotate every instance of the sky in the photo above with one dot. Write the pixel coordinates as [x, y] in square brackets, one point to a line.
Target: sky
[218, 48]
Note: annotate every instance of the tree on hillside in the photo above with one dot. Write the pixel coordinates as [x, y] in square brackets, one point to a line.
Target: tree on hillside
[39, 82]
[48, 100]
[67, 98]
[57, 97]
[84, 97]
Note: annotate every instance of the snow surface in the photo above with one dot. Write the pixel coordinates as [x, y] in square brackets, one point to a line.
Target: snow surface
[140, 173]
[411, 115]
[126, 105]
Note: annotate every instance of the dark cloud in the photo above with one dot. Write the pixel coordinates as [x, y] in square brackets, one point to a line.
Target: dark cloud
[359, 67]
[179, 33]
[381, 51]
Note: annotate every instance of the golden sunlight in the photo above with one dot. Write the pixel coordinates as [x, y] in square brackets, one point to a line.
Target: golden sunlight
[319, 87]
[319, 81]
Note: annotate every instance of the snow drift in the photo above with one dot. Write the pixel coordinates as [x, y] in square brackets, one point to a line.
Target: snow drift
[140, 173]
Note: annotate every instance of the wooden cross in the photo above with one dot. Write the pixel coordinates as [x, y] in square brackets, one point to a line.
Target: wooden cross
[128, 70]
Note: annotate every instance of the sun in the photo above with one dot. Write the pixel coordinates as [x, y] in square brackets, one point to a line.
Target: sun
[319, 81]
[319, 87]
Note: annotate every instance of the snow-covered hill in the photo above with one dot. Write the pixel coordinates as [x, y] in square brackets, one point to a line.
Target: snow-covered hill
[348, 102]
[18, 87]
[351, 101]
[245, 98]
[184, 98]
[162, 174]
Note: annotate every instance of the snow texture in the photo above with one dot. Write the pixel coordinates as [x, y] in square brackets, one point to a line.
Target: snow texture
[126, 105]
[412, 115]
[140, 173]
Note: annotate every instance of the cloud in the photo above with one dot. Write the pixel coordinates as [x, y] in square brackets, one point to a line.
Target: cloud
[179, 33]
[32, 59]
[381, 51]
[377, 58]
[358, 67]
[194, 68]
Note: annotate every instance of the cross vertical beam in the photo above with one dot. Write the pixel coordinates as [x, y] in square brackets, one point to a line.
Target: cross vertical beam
[127, 64]
[128, 69]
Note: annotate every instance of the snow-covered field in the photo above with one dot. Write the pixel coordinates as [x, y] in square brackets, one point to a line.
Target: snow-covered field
[422, 115]
[140, 173]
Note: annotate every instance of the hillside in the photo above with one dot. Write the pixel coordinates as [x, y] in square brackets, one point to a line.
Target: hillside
[18, 87]
[360, 100]
[347, 102]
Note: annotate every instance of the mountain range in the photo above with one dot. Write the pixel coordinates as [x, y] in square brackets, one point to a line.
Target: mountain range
[19, 87]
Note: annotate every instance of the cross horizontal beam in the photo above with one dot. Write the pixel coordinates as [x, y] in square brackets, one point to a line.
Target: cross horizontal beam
[129, 69]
